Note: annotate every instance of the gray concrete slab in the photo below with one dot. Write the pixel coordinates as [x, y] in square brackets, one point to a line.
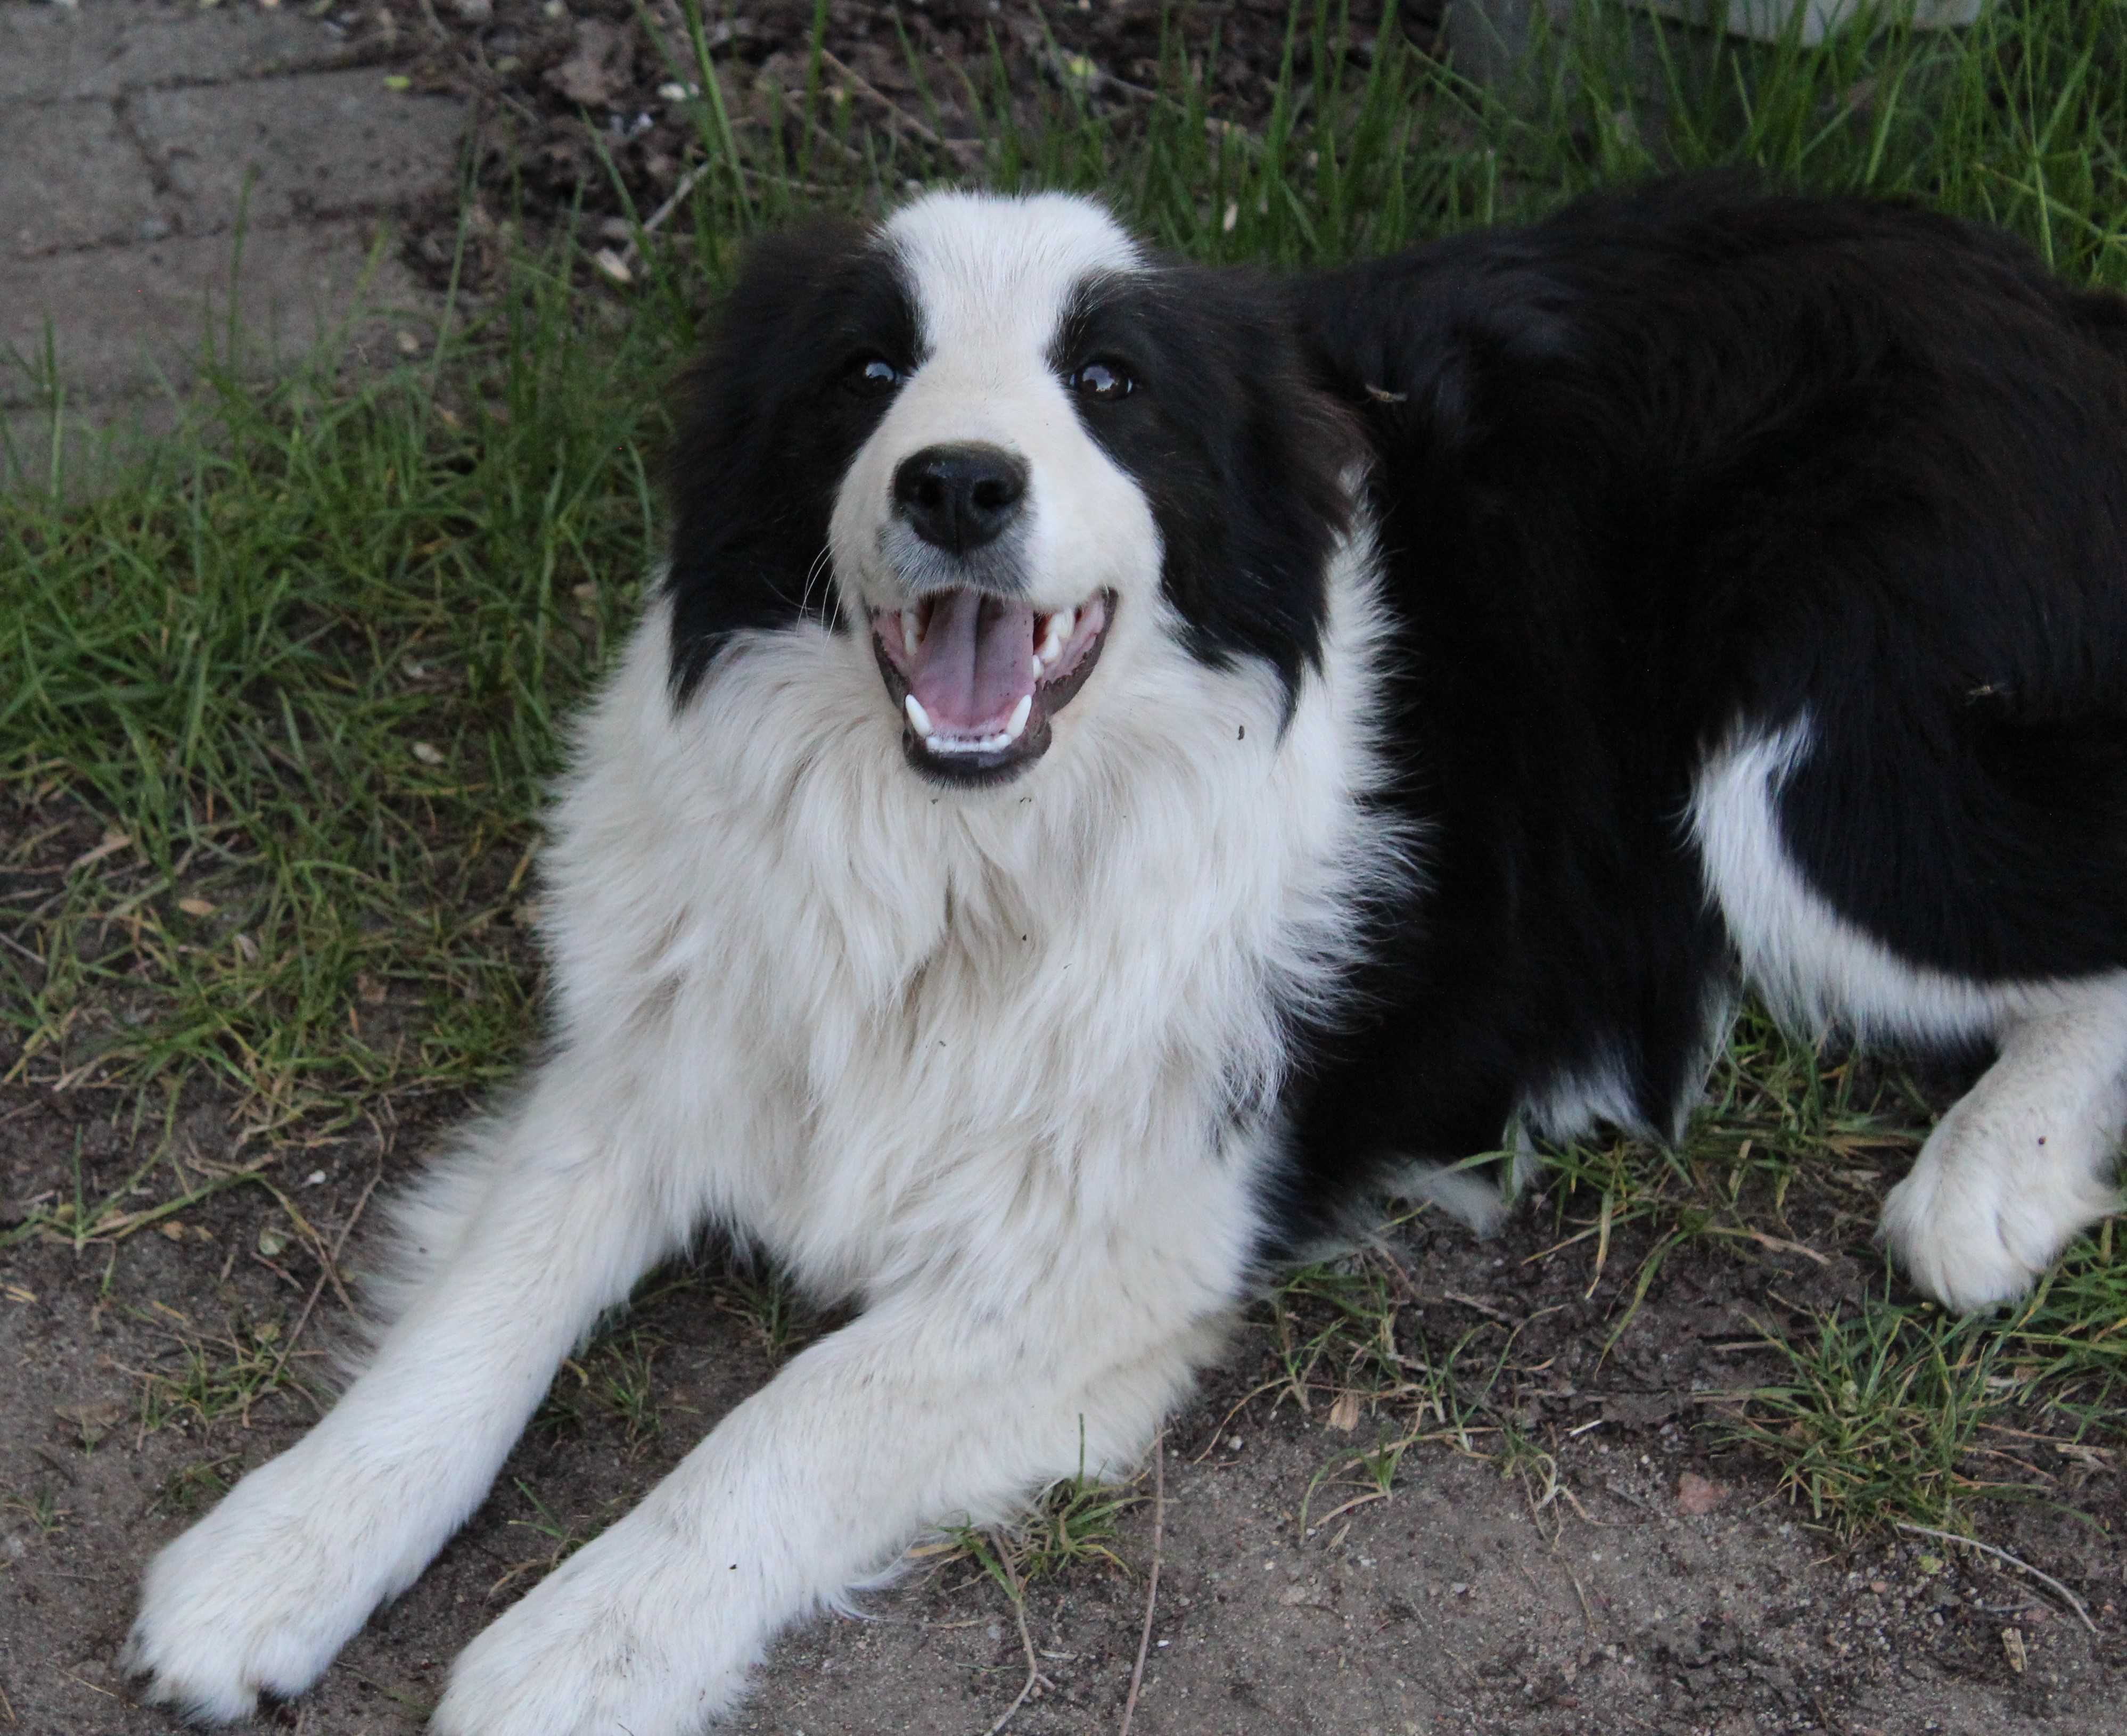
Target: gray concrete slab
[314, 145]
[133, 135]
[57, 54]
[121, 322]
[80, 453]
[72, 177]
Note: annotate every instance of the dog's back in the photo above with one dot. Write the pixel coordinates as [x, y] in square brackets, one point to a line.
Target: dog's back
[1761, 566]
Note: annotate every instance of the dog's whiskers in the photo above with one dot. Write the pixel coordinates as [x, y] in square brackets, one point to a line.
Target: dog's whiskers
[820, 563]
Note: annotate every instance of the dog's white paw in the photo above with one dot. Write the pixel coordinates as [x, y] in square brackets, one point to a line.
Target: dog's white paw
[607, 1643]
[258, 1596]
[1978, 1220]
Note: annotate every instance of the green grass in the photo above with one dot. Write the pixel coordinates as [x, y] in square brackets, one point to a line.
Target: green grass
[41, 1509]
[195, 1487]
[308, 671]
[279, 705]
[562, 1534]
[1895, 1412]
[1361, 1351]
[207, 1377]
[1071, 1523]
[767, 1303]
[613, 1377]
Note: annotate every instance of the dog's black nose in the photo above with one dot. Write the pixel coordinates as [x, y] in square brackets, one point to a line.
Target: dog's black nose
[959, 497]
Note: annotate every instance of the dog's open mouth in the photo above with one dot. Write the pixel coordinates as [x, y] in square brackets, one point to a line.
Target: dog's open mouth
[978, 677]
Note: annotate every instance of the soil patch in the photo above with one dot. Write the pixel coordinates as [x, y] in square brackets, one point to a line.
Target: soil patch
[1590, 1563]
[586, 113]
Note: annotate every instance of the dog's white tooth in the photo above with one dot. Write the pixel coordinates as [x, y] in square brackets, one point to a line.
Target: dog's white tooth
[911, 631]
[1055, 632]
[919, 720]
[1020, 713]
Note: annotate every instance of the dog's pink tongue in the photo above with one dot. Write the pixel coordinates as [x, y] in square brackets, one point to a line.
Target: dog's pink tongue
[976, 662]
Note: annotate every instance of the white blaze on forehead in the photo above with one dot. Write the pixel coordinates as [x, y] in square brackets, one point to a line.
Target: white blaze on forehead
[992, 280]
[992, 270]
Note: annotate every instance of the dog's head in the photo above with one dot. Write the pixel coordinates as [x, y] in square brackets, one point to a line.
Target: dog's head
[1007, 446]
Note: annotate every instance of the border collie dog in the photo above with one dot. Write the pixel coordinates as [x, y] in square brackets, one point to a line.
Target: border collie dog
[1128, 760]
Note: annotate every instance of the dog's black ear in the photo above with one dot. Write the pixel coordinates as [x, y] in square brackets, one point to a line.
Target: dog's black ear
[1425, 349]
[1285, 453]
[763, 428]
[1241, 455]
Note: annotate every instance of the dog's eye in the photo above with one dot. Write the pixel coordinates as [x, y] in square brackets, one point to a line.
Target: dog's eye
[1105, 382]
[873, 374]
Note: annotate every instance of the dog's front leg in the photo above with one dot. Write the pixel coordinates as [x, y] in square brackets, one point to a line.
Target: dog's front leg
[554, 1223]
[912, 1414]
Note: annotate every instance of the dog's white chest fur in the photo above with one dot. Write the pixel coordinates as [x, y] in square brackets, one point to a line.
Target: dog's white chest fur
[872, 1021]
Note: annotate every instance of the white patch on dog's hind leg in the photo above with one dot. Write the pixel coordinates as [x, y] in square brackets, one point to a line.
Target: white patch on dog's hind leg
[2023, 1160]
[1475, 1195]
[261, 1593]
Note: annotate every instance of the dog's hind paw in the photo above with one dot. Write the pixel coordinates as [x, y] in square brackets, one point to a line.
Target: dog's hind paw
[1975, 1226]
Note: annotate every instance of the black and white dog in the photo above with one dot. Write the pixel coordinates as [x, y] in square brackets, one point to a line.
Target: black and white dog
[1127, 759]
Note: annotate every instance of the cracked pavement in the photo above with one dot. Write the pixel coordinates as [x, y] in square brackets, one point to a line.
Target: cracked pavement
[157, 157]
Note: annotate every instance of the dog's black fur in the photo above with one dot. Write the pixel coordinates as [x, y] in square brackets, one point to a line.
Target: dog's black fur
[1689, 459]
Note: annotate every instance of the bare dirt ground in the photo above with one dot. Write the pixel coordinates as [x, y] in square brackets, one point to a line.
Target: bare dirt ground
[924, 69]
[585, 115]
[1589, 1557]
[1611, 1576]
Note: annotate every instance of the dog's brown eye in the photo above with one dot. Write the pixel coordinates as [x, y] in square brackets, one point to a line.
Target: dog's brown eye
[1103, 381]
[873, 374]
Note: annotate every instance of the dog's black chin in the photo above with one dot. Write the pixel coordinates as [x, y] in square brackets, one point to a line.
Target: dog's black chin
[977, 771]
